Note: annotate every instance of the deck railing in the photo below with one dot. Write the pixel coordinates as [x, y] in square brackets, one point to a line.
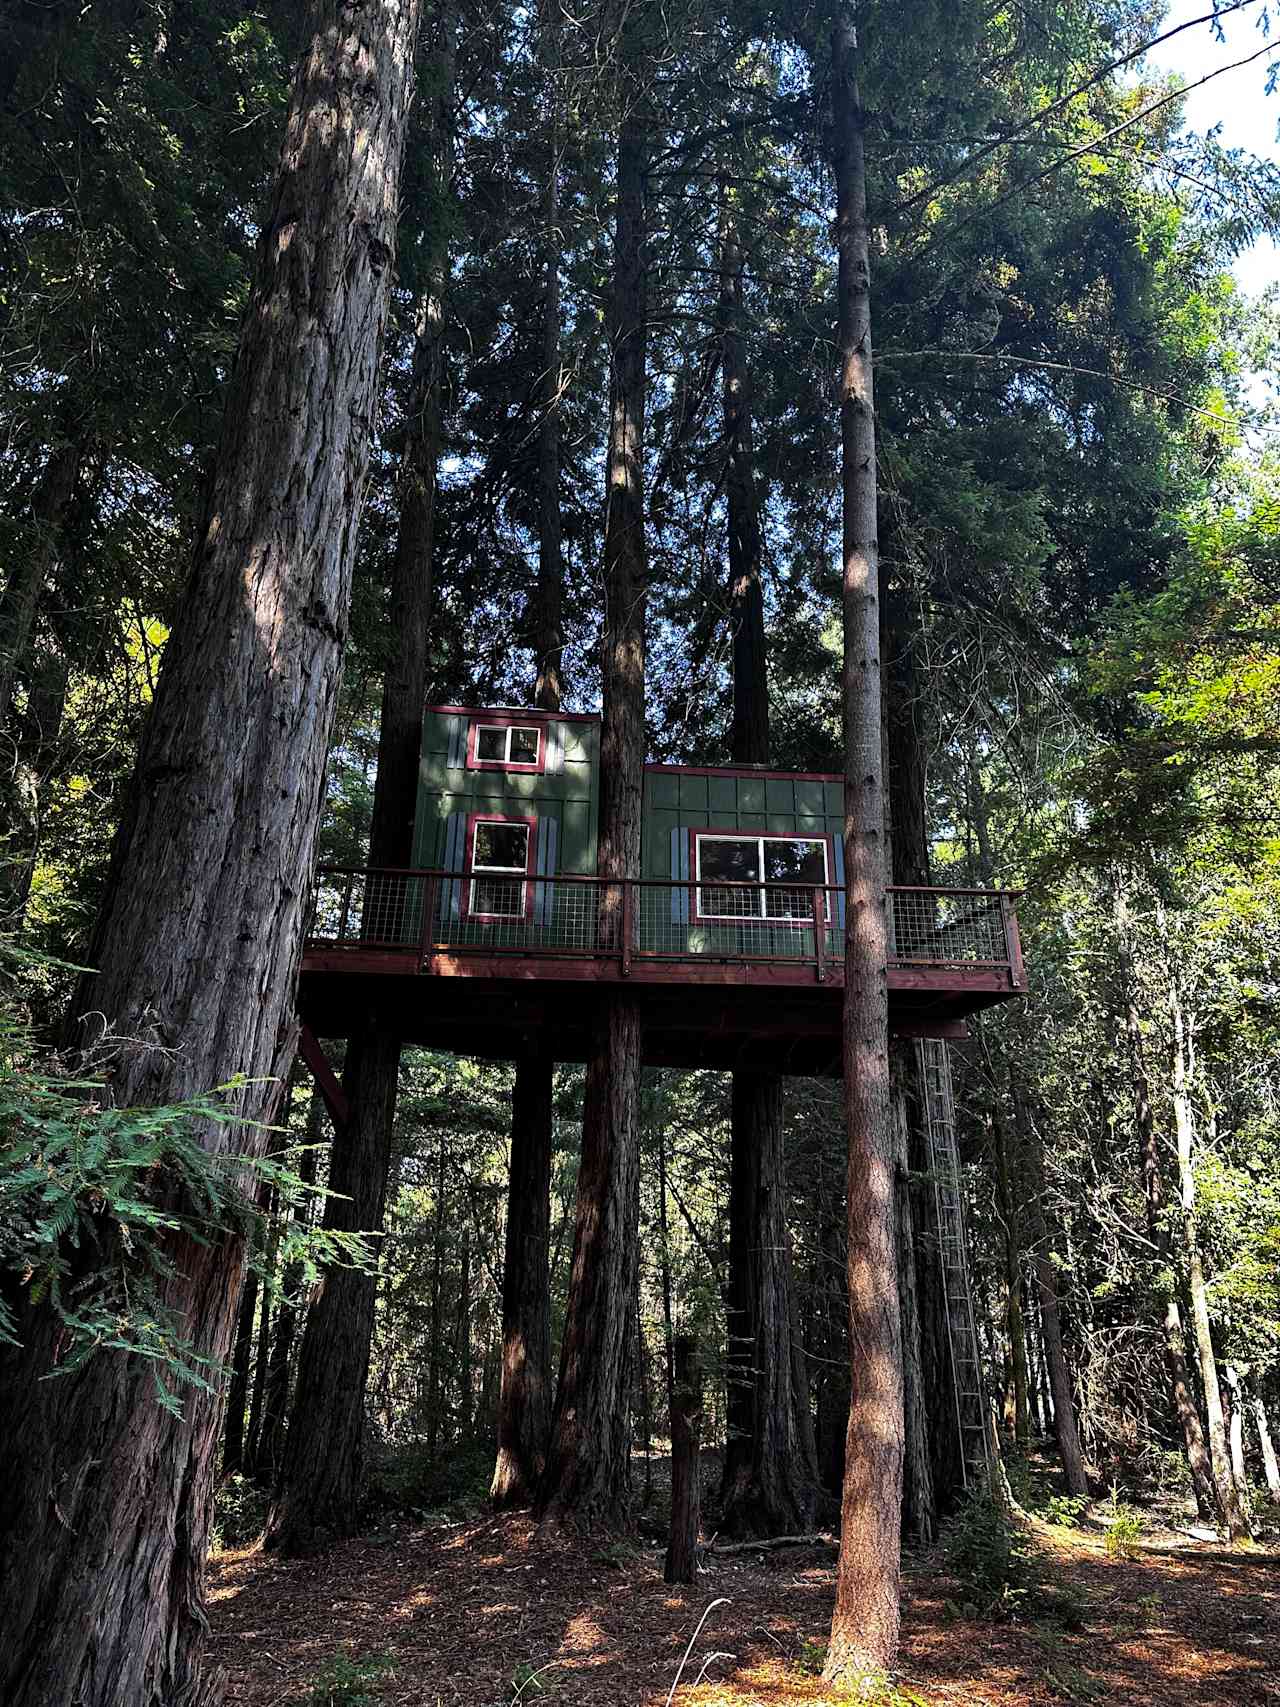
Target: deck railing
[439, 912]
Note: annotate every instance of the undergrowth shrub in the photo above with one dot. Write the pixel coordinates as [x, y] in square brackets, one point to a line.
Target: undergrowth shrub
[405, 1480]
[1001, 1573]
[239, 1513]
[1124, 1529]
[348, 1681]
[1065, 1510]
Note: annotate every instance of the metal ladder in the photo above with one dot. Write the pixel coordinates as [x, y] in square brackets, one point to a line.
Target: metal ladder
[934, 1059]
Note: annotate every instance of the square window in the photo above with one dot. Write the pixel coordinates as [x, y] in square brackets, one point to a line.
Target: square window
[523, 749]
[491, 746]
[501, 847]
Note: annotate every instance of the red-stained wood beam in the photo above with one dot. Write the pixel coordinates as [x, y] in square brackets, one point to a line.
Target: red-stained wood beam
[335, 1098]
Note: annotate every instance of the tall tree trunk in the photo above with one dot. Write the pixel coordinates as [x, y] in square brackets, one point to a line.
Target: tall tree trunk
[262, 1358]
[524, 1402]
[919, 1508]
[276, 1408]
[1235, 1434]
[768, 1482]
[233, 1434]
[1017, 1329]
[524, 1398]
[1271, 1469]
[1153, 1191]
[326, 1429]
[865, 1623]
[105, 1506]
[681, 1564]
[770, 1468]
[1065, 1429]
[587, 1477]
[1182, 1060]
[33, 564]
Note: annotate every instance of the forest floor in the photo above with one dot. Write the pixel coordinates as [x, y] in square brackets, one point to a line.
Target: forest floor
[461, 1611]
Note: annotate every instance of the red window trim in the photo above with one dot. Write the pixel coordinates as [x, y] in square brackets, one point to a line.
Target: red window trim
[505, 720]
[469, 873]
[697, 916]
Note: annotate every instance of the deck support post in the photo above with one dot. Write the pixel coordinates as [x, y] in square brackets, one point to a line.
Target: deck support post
[820, 935]
[1012, 941]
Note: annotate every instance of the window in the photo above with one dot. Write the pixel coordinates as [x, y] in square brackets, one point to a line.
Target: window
[762, 860]
[505, 746]
[499, 865]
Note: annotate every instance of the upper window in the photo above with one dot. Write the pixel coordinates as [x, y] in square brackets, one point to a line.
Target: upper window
[758, 860]
[499, 864]
[505, 746]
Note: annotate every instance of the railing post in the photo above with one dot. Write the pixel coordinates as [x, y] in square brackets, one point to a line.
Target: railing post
[426, 936]
[820, 934]
[628, 923]
[346, 906]
[1012, 942]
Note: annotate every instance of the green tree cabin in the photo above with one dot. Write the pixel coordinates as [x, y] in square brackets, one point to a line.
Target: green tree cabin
[494, 941]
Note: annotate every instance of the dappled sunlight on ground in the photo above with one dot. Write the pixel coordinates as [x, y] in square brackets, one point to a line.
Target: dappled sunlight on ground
[464, 1609]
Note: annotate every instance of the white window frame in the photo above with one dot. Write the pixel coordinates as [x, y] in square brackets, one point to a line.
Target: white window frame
[519, 873]
[763, 916]
[506, 762]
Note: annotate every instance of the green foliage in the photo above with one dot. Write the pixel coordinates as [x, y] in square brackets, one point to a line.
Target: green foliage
[1124, 1529]
[348, 1681]
[1000, 1572]
[1065, 1509]
[872, 1691]
[94, 1201]
[240, 1509]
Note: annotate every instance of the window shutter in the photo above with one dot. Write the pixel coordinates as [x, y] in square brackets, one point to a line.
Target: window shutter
[837, 844]
[457, 757]
[544, 893]
[680, 876]
[555, 748]
[455, 835]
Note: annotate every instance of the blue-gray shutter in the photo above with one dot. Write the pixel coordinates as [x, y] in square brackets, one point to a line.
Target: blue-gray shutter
[455, 835]
[837, 843]
[457, 757]
[555, 748]
[544, 893]
[680, 876]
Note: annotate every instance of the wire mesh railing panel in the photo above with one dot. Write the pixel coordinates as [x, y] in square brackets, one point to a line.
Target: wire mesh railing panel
[942, 926]
[751, 922]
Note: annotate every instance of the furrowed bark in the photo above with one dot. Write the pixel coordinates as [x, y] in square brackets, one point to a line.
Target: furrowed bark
[865, 1623]
[681, 1564]
[105, 1508]
[587, 1477]
[325, 1435]
[770, 1468]
[524, 1397]
[524, 1403]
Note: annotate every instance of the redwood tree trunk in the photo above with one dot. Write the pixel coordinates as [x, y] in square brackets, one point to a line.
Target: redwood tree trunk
[587, 1477]
[275, 1415]
[865, 1623]
[326, 1428]
[524, 1397]
[524, 1401]
[20, 601]
[770, 1468]
[769, 1479]
[105, 1503]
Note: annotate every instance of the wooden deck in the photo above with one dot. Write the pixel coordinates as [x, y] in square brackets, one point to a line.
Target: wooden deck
[755, 991]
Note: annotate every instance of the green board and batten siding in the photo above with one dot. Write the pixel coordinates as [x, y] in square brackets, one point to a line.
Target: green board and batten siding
[563, 797]
[677, 799]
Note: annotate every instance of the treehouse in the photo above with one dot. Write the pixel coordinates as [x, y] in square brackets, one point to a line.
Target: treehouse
[497, 939]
